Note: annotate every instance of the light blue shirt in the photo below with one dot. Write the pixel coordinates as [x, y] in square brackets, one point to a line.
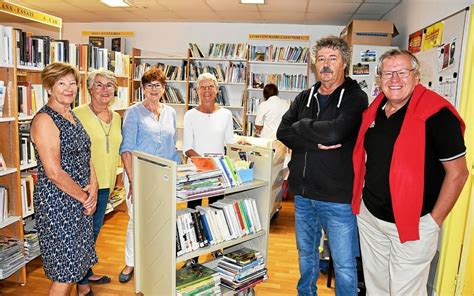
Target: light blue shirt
[142, 132]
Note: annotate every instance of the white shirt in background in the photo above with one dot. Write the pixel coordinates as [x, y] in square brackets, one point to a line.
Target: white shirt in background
[207, 133]
[269, 114]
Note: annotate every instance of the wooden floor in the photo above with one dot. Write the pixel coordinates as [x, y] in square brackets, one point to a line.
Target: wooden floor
[282, 261]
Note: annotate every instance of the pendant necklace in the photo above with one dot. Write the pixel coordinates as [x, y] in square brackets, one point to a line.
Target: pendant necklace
[106, 133]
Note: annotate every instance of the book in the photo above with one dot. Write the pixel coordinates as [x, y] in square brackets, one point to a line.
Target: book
[243, 256]
[194, 273]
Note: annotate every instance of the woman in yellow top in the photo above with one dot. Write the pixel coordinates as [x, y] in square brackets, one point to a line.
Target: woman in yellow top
[104, 128]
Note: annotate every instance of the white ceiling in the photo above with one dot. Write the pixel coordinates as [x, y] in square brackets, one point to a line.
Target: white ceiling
[310, 12]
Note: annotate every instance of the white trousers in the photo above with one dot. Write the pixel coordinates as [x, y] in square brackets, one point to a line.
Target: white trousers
[393, 268]
[129, 254]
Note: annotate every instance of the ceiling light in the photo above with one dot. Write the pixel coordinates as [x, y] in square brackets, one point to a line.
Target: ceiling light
[117, 3]
[252, 1]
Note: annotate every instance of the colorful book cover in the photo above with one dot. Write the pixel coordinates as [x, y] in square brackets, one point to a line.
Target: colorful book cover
[242, 256]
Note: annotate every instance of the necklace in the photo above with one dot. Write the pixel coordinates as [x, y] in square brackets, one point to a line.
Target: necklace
[106, 133]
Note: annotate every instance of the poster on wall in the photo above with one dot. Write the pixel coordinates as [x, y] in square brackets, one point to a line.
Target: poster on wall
[414, 41]
[443, 56]
[360, 69]
[97, 41]
[368, 56]
[433, 36]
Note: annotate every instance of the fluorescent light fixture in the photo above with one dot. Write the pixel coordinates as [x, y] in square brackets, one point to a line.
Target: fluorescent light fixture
[252, 1]
[117, 3]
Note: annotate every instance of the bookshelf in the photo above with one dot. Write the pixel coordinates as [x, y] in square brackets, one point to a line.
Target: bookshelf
[155, 247]
[283, 64]
[23, 56]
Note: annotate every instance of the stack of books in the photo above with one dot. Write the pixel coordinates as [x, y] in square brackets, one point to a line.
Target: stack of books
[11, 256]
[32, 248]
[197, 280]
[242, 269]
[117, 196]
[192, 183]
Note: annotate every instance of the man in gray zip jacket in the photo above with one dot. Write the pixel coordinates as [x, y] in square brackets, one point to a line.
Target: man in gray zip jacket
[320, 128]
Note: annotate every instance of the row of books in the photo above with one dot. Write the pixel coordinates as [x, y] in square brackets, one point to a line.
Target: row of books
[196, 280]
[31, 98]
[221, 221]
[282, 81]
[290, 54]
[195, 51]
[4, 210]
[172, 95]
[252, 104]
[228, 50]
[114, 61]
[11, 256]
[241, 269]
[27, 152]
[39, 51]
[232, 73]
[26, 188]
[172, 72]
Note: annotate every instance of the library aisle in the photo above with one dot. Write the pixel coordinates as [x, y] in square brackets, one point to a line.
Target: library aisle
[282, 262]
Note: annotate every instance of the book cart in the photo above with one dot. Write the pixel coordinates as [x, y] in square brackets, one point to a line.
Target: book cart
[154, 187]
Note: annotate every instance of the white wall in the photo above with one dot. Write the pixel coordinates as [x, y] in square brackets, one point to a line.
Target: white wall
[173, 38]
[412, 15]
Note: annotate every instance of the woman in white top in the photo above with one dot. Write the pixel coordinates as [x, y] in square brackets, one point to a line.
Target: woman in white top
[270, 112]
[208, 127]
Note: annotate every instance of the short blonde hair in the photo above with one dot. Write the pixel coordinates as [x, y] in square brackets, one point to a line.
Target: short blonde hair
[100, 72]
[53, 72]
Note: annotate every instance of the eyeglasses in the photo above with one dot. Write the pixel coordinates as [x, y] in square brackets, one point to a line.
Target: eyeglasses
[153, 86]
[404, 73]
[100, 86]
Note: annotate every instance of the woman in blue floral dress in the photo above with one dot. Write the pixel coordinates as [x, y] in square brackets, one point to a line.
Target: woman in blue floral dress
[66, 192]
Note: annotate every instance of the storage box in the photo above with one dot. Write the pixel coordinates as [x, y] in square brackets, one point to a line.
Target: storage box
[369, 32]
[246, 175]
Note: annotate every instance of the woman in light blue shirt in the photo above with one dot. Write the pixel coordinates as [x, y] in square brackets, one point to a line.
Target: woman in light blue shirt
[149, 127]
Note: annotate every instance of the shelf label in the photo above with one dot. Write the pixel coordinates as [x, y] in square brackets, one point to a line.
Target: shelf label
[109, 33]
[279, 37]
[30, 14]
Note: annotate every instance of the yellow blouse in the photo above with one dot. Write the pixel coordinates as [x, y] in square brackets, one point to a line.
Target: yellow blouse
[105, 162]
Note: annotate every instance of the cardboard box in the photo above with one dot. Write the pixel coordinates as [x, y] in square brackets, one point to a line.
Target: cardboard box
[366, 32]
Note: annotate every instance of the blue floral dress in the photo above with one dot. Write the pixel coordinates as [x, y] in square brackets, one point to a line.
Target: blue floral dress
[65, 234]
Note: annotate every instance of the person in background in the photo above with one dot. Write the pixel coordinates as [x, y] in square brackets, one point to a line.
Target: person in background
[65, 194]
[320, 128]
[207, 128]
[410, 167]
[149, 127]
[104, 128]
[270, 112]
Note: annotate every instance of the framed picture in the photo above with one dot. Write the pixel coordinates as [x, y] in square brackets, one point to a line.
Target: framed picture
[3, 165]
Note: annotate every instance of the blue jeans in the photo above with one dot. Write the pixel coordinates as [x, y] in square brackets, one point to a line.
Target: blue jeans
[340, 226]
[98, 220]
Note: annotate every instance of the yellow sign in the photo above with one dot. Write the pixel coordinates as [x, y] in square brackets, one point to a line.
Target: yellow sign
[433, 36]
[108, 33]
[279, 37]
[30, 14]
